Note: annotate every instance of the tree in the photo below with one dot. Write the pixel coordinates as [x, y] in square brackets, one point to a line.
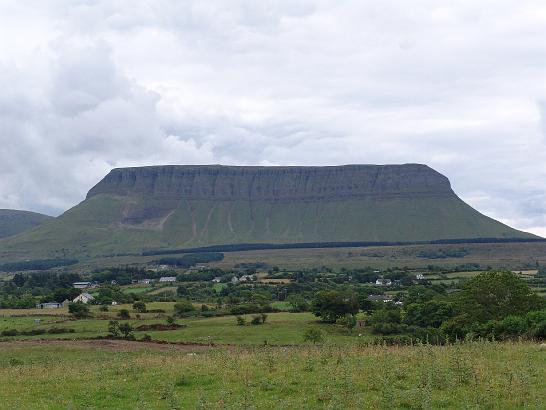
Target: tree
[348, 321]
[139, 306]
[170, 320]
[313, 335]
[126, 329]
[494, 295]
[113, 328]
[124, 314]
[183, 306]
[297, 303]
[264, 317]
[256, 320]
[428, 314]
[241, 321]
[78, 310]
[331, 305]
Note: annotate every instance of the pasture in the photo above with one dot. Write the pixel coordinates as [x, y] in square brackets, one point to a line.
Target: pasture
[133, 375]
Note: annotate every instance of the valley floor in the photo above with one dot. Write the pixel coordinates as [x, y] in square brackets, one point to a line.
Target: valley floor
[136, 375]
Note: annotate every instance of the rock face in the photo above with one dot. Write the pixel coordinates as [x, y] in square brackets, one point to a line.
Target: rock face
[228, 183]
[133, 209]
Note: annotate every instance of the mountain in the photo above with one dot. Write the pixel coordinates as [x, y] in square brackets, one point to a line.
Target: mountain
[133, 209]
[13, 222]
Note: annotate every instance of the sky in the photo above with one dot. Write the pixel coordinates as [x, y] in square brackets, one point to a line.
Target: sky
[90, 85]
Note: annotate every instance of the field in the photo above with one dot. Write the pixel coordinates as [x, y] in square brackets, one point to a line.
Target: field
[280, 328]
[498, 255]
[132, 375]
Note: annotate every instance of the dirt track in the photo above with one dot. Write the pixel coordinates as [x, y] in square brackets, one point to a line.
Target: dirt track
[112, 345]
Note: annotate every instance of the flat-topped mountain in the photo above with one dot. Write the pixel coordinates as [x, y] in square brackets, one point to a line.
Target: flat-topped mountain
[13, 222]
[133, 209]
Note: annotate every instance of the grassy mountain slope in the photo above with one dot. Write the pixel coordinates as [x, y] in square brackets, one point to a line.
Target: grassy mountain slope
[135, 212]
[13, 222]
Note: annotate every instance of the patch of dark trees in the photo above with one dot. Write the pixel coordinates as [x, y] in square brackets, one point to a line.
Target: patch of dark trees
[40, 264]
[189, 260]
[312, 245]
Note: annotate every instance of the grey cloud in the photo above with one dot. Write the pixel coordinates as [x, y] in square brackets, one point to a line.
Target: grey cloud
[93, 85]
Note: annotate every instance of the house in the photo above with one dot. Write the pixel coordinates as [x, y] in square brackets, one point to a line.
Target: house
[420, 276]
[83, 298]
[380, 298]
[145, 281]
[217, 280]
[383, 282]
[235, 280]
[81, 285]
[114, 303]
[48, 305]
[167, 279]
[246, 278]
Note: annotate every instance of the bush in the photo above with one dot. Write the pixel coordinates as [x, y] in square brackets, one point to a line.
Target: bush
[182, 307]
[256, 320]
[78, 310]
[313, 335]
[241, 321]
[139, 306]
[124, 314]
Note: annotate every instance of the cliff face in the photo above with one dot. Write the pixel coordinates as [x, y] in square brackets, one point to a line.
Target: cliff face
[212, 182]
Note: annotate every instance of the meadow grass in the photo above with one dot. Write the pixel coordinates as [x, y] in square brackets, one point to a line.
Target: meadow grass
[478, 375]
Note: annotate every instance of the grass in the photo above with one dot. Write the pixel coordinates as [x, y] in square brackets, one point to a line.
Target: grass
[280, 328]
[472, 375]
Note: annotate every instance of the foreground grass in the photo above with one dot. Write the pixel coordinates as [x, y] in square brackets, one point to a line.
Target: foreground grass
[473, 375]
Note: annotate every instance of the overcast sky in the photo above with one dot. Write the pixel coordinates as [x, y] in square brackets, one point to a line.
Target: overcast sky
[91, 85]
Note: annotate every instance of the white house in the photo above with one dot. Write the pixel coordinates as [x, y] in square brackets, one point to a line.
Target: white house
[420, 276]
[383, 282]
[217, 280]
[145, 281]
[81, 285]
[83, 298]
[246, 278]
[167, 279]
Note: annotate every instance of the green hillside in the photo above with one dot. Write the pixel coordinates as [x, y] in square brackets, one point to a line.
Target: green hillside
[132, 212]
[13, 222]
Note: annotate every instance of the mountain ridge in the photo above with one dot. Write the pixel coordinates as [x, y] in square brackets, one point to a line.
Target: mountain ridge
[188, 206]
[15, 221]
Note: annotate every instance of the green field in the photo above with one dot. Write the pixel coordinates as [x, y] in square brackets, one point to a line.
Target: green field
[280, 328]
[77, 375]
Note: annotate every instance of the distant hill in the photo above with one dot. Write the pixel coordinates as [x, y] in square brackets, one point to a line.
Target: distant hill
[13, 222]
[133, 209]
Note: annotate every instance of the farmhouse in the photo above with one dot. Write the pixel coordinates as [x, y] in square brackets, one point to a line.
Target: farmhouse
[83, 298]
[48, 305]
[380, 298]
[81, 285]
[167, 279]
[420, 276]
[217, 279]
[383, 282]
[145, 281]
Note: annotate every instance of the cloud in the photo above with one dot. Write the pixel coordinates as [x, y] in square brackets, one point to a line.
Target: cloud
[92, 85]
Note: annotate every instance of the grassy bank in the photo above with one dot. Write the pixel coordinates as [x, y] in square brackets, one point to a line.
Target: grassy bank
[473, 375]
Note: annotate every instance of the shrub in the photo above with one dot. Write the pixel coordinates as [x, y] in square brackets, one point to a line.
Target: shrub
[183, 306]
[78, 310]
[139, 306]
[313, 335]
[124, 314]
[256, 320]
[241, 321]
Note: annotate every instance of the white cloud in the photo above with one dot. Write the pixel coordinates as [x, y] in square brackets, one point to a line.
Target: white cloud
[92, 85]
